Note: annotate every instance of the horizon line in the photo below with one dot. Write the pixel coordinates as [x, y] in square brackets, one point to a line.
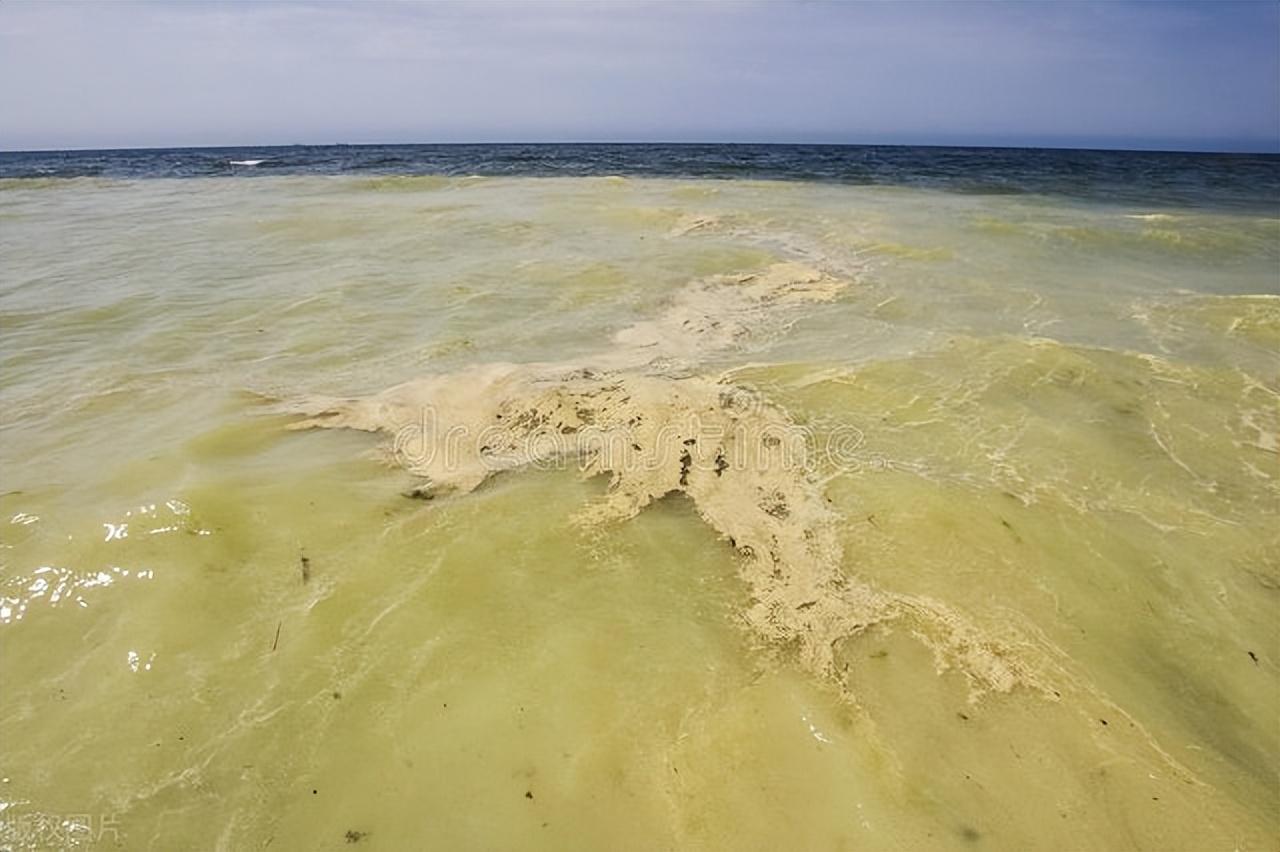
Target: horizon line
[1245, 146]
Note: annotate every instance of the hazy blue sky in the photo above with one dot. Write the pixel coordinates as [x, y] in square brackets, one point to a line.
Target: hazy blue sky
[1146, 74]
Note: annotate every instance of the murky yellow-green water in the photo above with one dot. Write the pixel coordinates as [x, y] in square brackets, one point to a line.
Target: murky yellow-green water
[217, 633]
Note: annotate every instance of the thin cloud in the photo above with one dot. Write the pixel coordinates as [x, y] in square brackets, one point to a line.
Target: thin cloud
[86, 75]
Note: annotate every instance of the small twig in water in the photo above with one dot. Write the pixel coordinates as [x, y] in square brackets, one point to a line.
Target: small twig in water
[276, 641]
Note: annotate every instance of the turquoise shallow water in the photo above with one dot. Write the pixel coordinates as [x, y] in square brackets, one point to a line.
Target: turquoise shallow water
[220, 633]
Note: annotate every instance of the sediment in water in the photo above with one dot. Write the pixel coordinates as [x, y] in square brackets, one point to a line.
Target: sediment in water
[637, 414]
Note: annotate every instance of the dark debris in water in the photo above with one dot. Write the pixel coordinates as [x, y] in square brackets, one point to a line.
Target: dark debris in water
[420, 492]
[354, 836]
[1011, 530]
[775, 505]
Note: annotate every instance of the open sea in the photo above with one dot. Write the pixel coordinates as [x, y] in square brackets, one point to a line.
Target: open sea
[639, 497]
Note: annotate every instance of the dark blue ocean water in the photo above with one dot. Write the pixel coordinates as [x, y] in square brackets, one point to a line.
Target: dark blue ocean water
[1230, 181]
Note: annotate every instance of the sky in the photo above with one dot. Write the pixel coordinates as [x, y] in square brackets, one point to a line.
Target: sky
[1196, 76]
